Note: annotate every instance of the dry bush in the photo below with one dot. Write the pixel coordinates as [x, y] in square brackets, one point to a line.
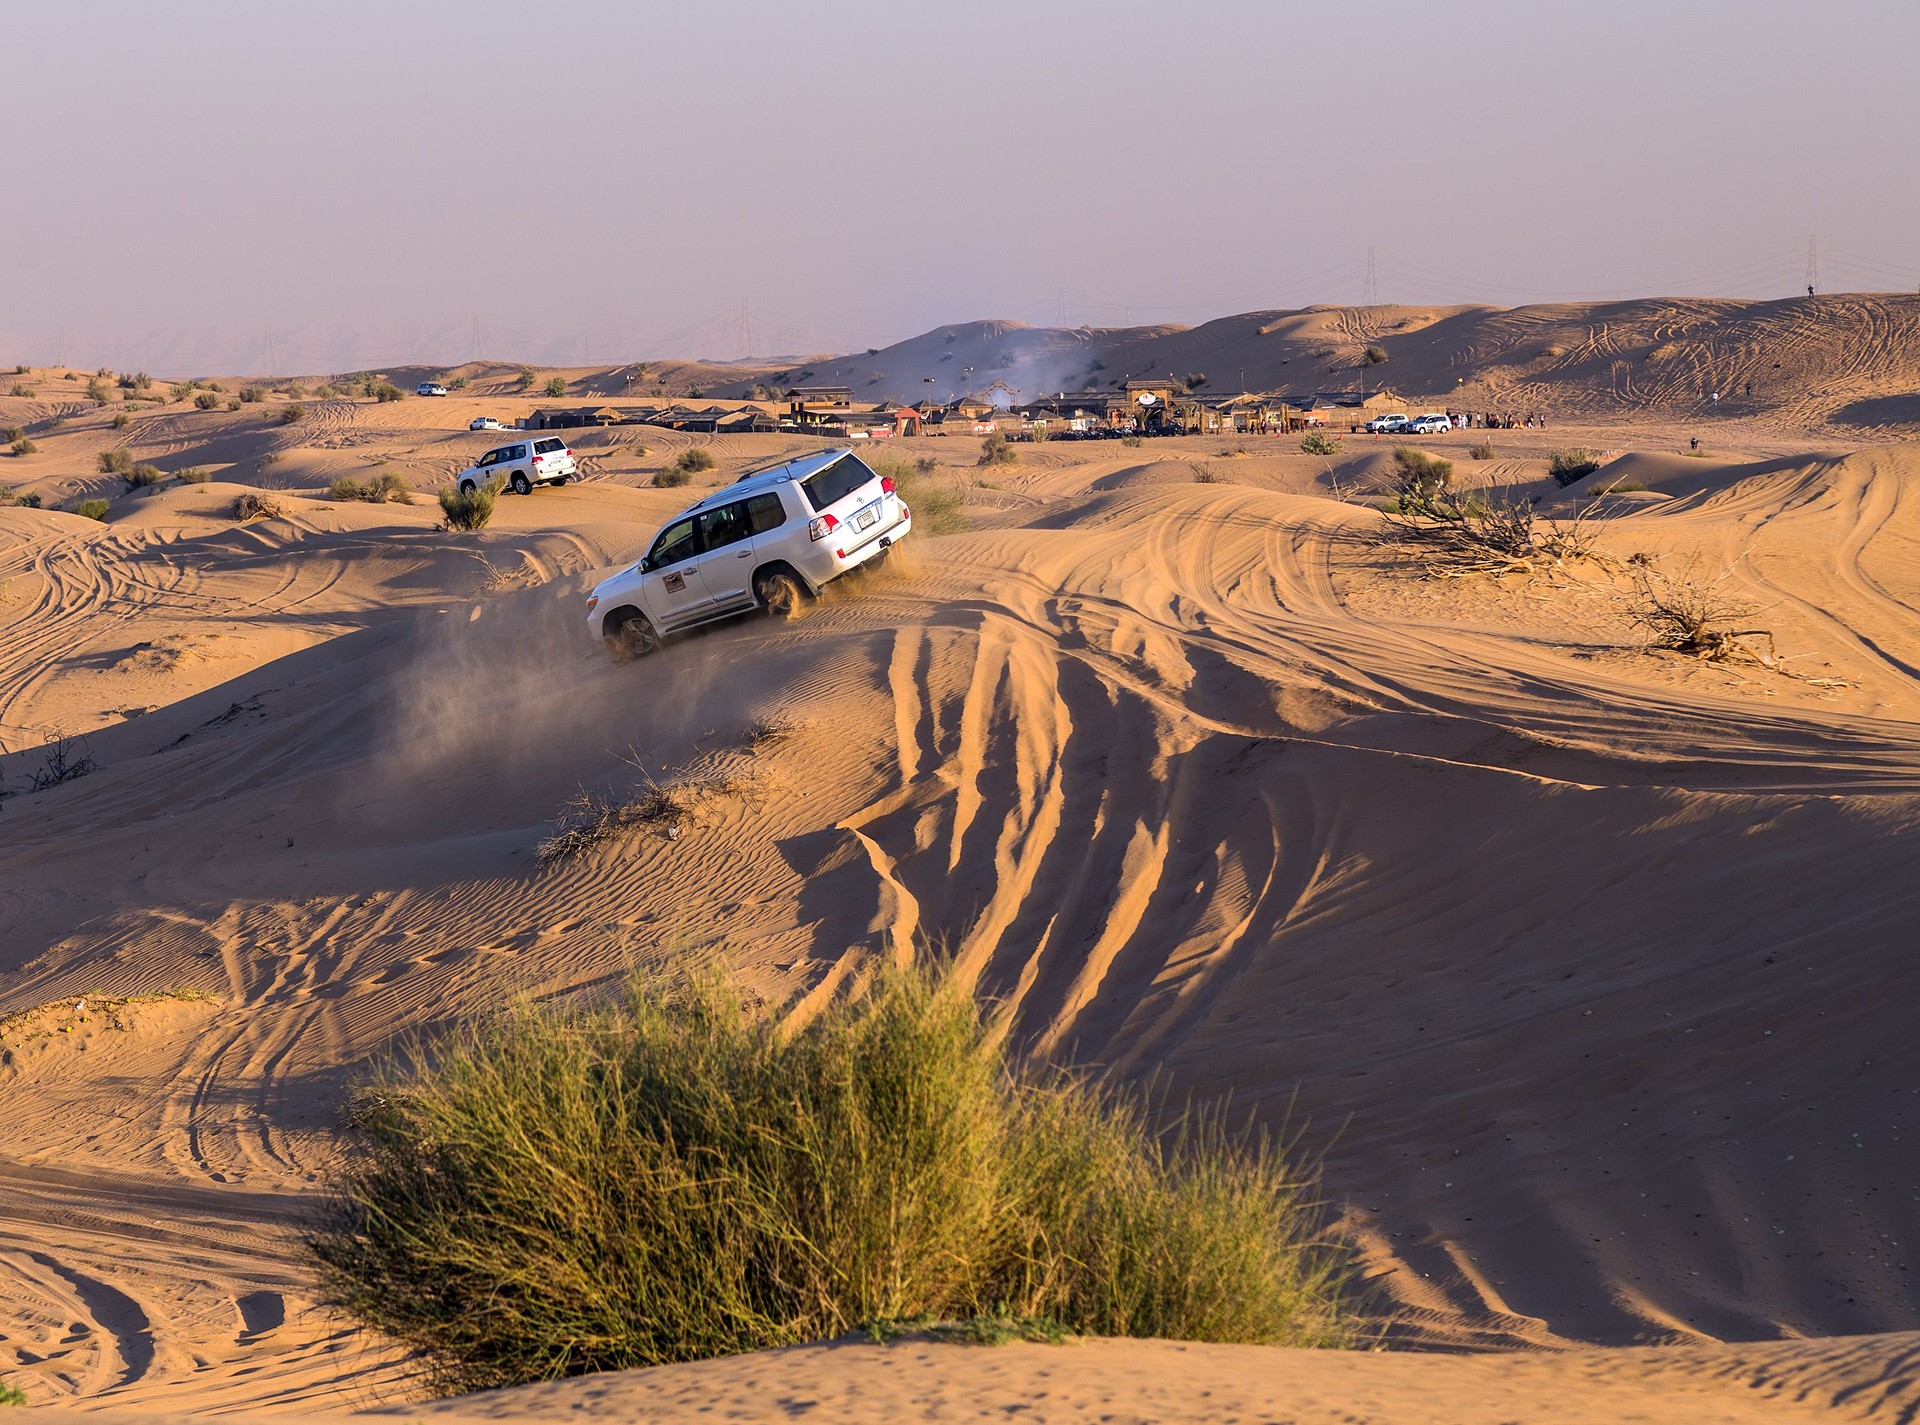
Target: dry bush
[121, 420]
[67, 759]
[1454, 535]
[1319, 443]
[205, 401]
[694, 459]
[255, 506]
[292, 413]
[1482, 451]
[251, 395]
[997, 450]
[192, 475]
[671, 477]
[1375, 356]
[590, 818]
[23, 446]
[143, 477]
[116, 462]
[1687, 612]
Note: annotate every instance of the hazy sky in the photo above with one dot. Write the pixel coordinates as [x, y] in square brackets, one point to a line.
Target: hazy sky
[370, 183]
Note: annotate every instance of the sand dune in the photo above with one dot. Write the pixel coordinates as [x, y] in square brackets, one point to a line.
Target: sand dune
[1578, 966]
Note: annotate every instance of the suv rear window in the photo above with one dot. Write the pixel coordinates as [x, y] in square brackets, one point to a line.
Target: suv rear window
[836, 482]
[548, 446]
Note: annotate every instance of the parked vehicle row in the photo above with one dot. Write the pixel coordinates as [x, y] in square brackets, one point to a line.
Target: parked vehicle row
[1433, 423]
[771, 540]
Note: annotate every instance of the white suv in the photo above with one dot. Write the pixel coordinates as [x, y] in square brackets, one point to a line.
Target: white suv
[1385, 425]
[1431, 424]
[537, 460]
[770, 540]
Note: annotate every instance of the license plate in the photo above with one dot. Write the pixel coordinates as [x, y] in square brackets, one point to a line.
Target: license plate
[867, 518]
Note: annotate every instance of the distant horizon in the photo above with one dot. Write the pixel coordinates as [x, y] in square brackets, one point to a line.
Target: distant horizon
[337, 197]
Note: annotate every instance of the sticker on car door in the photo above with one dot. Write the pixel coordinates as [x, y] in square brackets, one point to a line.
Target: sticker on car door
[675, 583]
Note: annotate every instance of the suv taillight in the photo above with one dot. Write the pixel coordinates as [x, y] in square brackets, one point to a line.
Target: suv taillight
[886, 484]
[822, 527]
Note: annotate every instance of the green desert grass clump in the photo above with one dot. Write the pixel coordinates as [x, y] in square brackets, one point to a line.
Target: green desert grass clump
[143, 477]
[375, 490]
[996, 449]
[694, 459]
[205, 401]
[1574, 463]
[11, 1394]
[116, 462]
[681, 1174]
[470, 509]
[23, 446]
[1318, 443]
[192, 475]
[94, 509]
[938, 506]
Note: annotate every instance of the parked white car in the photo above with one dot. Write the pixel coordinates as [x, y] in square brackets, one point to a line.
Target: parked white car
[483, 423]
[1430, 424]
[1385, 425]
[429, 388]
[771, 540]
[537, 460]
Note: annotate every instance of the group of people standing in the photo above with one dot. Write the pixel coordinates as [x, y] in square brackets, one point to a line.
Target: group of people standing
[1493, 420]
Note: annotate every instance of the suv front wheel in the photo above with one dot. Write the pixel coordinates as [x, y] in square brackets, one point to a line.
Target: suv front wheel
[635, 637]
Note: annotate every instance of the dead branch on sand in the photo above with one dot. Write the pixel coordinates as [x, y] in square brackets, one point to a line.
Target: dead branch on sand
[1686, 613]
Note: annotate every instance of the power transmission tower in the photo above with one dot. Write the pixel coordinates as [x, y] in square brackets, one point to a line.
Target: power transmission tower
[273, 359]
[1370, 294]
[746, 328]
[1813, 265]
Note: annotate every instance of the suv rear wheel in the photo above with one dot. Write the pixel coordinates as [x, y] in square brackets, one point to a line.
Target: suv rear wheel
[780, 594]
[521, 484]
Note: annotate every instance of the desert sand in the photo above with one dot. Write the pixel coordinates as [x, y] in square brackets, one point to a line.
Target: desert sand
[1578, 967]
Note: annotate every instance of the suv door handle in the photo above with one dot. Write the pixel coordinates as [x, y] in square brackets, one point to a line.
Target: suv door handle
[744, 554]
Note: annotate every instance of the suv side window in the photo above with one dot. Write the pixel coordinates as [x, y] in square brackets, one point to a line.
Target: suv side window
[677, 541]
[765, 513]
[492, 457]
[515, 452]
[724, 525]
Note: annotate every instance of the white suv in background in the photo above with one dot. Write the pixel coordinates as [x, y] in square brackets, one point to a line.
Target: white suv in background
[537, 460]
[1430, 424]
[770, 540]
[1386, 425]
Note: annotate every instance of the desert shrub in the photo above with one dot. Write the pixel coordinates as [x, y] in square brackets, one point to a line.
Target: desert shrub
[139, 381]
[121, 420]
[525, 379]
[22, 390]
[1419, 478]
[252, 395]
[938, 506]
[1482, 451]
[216, 386]
[12, 432]
[1375, 356]
[671, 477]
[1689, 612]
[385, 392]
[23, 446]
[1454, 535]
[66, 759]
[459, 383]
[672, 1177]
[99, 392]
[1575, 463]
[290, 414]
[694, 459]
[116, 462]
[387, 486]
[192, 475]
[556, 386]
[1315, 443]
[233, 405]
[94, 509]
[470, 510]
[1204, 474]
[996, 449]
[1132, 442]
[205, 401]
[142, 477]
[1618, 487]
[333, 390]
[252, 505]
[292, 390]
[11, 1394]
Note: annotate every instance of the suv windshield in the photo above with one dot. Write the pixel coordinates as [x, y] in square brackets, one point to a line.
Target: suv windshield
[836, 482]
